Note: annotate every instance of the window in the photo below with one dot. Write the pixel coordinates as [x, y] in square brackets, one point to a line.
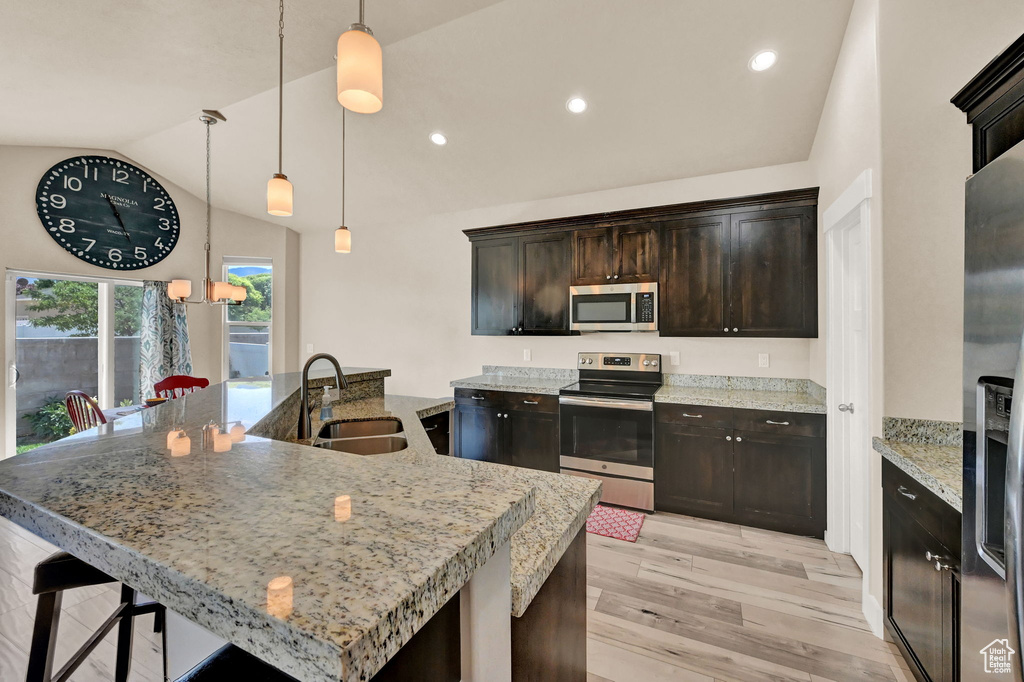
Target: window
[69, 333]
[247, 333]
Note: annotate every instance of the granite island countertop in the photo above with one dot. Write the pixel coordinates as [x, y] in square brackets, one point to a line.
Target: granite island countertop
[930, 452]
[204, 533]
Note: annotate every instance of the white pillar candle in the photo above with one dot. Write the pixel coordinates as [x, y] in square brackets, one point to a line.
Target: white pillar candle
[279, 596]
[342, 508]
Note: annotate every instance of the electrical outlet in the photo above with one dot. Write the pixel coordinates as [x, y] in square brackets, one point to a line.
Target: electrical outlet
[527, 354]
[309, 348]
[673, 357]
[762, 360]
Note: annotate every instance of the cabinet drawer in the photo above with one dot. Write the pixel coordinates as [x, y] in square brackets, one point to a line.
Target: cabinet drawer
[535, 402]
[694, 415]
[479, 398]
[912, 498]
[782, 423]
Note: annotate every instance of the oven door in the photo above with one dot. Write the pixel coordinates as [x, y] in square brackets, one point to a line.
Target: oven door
[592, 310]
[613, 436]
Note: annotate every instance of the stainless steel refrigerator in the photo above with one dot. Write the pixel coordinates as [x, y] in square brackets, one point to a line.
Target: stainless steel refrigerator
[993, 422]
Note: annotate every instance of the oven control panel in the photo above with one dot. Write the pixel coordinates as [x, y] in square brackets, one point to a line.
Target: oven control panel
[632, 362]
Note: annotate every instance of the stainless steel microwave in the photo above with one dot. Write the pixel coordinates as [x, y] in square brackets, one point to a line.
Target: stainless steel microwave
[614, 308]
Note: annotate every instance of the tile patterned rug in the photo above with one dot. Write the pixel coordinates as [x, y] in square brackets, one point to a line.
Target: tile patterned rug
[612, 522]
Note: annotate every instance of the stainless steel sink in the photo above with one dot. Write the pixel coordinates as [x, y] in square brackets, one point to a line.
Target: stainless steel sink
[361, 428]
[377, 445]
[363, 437]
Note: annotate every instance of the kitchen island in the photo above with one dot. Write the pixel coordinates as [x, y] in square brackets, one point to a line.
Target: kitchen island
[374, 546]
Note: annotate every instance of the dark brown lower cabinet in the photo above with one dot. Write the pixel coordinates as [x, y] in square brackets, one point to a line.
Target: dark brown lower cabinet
[507, 428]
[921, 576]
[693, 471]
[758, 468]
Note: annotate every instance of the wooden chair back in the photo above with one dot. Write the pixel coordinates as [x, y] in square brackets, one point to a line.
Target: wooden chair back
[83, 410]
[178, 385]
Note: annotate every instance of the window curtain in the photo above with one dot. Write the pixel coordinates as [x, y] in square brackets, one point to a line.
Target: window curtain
[164, 347]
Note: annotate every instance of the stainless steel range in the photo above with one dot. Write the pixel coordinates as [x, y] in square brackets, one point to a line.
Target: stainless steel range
[607, 425]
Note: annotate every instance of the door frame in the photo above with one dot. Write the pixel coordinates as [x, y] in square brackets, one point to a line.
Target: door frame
[851, 210]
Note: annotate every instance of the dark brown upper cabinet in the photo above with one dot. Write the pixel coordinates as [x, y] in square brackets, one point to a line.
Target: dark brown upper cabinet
[746, 266]
[694, 276]
[773, 273]
[521, 285]
[615, 255]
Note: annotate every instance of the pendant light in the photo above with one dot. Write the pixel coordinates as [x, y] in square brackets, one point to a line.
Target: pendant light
[342, 237]
[214, 293]
[360, 69]
[279, 190]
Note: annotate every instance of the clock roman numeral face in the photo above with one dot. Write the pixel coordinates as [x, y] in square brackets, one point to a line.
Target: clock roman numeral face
[107, 212]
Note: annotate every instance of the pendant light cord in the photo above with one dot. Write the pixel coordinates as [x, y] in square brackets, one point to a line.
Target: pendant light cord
[343, 177]
[208, 208]
[280, 92]
[361, 7]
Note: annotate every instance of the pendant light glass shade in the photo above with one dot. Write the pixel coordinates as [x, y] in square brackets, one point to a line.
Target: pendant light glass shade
[343, 240]
[360, 71]
[179, 289]
[279, 195]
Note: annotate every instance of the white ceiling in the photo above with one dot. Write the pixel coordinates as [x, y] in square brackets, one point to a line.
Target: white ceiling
[667, 81]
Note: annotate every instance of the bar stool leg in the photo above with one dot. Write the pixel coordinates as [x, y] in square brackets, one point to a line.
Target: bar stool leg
[124, 635]
[44, 637]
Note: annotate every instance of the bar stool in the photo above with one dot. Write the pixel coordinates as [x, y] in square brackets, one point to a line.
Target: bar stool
[231, 663]
[52, 576]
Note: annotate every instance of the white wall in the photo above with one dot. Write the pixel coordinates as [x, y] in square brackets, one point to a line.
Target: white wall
[928, 50]
[848, 142]
[26, 246]
[401, 299]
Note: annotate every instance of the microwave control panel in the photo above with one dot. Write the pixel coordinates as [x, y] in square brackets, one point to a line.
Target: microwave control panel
[645, 307]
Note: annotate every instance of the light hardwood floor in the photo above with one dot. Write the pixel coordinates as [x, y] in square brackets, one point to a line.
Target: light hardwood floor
[702, 600]
[690, 600]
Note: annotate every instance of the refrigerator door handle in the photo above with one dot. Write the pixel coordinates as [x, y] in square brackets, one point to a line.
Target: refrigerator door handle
[1013, 516]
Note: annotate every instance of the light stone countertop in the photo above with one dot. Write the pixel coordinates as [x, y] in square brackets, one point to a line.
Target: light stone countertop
[205, 533]
[514, 384]
[751, 399]
[936, 466]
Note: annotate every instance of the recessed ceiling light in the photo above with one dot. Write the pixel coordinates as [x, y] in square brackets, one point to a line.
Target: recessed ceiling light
[763, 60]
[439, 139]
[576, 105]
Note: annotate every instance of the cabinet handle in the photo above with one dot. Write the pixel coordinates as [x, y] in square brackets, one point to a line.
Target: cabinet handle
[726, 329]
[693, 416]
[506, 415]
[478, 397]
[938, 559]
[902, 490]
[615, 277]
[739, 439]
[531, 402]
[607, 276]
[430, 428]
[735, 329]
[728, 437]
[769, 421]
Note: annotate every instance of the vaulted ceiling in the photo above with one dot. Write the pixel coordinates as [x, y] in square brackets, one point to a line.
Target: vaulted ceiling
[667, 81]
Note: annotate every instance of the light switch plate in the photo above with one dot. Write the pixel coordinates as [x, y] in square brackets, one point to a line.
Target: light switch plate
[527, 354]
[762, 359]
[673, 357]
[309, 348]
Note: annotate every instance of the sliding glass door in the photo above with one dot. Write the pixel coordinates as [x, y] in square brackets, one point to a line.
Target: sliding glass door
[67, 333]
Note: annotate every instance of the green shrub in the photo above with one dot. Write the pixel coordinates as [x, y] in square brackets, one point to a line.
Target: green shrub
[51, 422]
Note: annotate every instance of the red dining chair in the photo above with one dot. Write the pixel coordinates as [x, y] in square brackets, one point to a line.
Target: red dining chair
[83, 410]
[178, 385]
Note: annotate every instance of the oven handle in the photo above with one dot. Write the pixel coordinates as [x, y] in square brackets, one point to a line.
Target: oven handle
[612, 403]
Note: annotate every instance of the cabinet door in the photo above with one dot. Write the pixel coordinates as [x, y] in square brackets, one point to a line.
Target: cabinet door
[495, 286]
[920, 601]
[692, 298]
[635, 253]
[478, 433]
[592, 256]
[780, 482]
[773, 273]
[544, 274]
[693, 471]
[531, 439]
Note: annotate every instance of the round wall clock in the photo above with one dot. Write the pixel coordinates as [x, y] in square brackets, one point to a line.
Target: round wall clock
[107, 212]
